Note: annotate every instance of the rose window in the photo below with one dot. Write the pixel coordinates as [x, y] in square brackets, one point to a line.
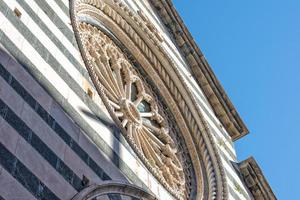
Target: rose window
[133, 107]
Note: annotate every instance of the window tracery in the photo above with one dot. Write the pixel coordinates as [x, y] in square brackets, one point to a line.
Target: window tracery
[134, 106]
[200, 160]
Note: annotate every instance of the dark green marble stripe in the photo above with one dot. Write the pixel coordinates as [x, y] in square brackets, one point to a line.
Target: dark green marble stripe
[31, 138]
[64, 8]
[46, 8]
[24, 176]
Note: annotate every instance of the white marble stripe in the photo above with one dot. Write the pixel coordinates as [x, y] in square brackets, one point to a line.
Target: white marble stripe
[37, 164]
[132, 4]
[168, 44]
[231, 155]
[60, 13]
[223, 146]
[34, 57]
[227, 148]
[213, 120]
[56, 53]
[55, 30]
[241, 196]
[224, 154]
[230, 171]
[194, 87]
[11, 189]
[66, 2]
[216, 129]
[76, 102]
[221, 141]
[241, 191]
[230, 197]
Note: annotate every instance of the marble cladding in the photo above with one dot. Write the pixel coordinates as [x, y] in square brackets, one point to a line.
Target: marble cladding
[29, 47]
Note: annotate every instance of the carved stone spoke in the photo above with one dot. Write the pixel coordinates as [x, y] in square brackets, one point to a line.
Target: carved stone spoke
[114, 105]
[119, 114]
[154, 139]
[129, 129]
[138, 100]
[147, 114]
[124, 122]
[128, 90]
[151, 127]
[120, 82]
[136, 138]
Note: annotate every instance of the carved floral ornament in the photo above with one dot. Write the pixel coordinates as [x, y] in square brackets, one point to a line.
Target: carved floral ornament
[158, 117]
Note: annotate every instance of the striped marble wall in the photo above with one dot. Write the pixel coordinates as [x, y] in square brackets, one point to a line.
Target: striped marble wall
[53, 131]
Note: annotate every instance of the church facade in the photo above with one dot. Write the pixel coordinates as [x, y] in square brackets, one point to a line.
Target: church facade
[112, 99]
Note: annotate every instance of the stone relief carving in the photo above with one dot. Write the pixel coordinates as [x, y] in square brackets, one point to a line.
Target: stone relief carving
[133, 31]
[134, 106]
[113, 190]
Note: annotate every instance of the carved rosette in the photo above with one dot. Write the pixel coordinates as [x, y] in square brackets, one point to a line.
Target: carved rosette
[133, 106]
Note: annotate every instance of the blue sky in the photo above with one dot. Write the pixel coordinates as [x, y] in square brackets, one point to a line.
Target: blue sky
[254, 49]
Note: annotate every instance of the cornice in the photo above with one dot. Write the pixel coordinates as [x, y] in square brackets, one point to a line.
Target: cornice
[201, 70]
[255, 180]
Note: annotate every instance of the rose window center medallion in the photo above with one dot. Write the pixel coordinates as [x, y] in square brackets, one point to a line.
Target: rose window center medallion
[133, 107]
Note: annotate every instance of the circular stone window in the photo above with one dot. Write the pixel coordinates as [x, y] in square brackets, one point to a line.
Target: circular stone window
[148, 99]
[133, 106]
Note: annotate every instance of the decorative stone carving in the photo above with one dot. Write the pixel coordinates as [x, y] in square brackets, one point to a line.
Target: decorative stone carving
[199, 158]
[134, 106]
[255, 180]
[201, 70]
[108, 188]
